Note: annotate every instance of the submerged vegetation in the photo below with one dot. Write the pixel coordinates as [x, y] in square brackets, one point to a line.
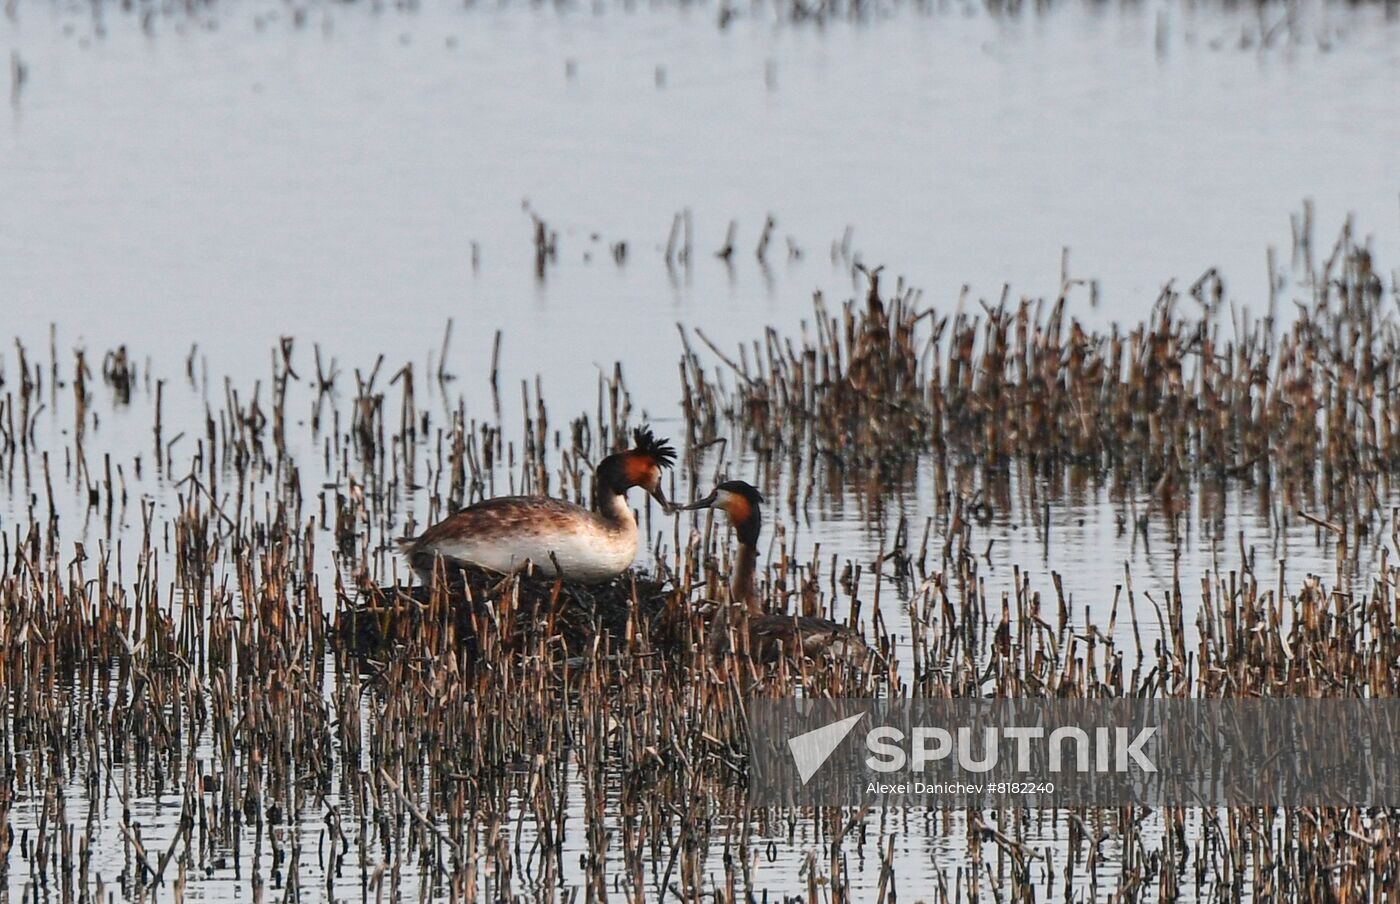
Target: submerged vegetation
[214, 671]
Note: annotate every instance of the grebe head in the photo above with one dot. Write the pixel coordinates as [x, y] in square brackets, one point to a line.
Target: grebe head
[640, 466]
[740, 501]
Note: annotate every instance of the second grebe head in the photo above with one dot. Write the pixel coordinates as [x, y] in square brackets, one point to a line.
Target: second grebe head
[640, 466]
[740, 501]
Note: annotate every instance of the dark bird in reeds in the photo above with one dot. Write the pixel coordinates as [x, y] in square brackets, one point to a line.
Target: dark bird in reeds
[770, 636]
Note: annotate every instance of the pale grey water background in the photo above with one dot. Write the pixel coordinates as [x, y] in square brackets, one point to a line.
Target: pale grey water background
[234, 185]
[228, 184]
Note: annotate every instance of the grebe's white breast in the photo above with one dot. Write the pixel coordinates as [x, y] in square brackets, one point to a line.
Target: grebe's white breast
[503, 534]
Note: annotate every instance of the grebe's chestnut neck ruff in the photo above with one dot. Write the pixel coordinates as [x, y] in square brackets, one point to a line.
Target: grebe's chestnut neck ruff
[770, 636]
[741, 502]
[503, 534]
[640, 466]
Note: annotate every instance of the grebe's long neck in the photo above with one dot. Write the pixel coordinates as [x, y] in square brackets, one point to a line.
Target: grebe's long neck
[612, 506]
[743, 583]
[610, 494]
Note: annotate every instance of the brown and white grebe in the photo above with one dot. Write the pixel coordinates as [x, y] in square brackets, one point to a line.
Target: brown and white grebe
[771, 636]
[589, 547]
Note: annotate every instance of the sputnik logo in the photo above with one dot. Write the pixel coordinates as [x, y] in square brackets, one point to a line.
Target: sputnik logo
[811, 749]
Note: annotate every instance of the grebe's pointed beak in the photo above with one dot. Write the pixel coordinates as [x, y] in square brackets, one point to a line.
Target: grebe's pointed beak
[660, 497]
[705, 503]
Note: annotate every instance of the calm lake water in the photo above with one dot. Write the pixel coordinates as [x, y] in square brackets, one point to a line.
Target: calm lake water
[226, 184]
[356, 177]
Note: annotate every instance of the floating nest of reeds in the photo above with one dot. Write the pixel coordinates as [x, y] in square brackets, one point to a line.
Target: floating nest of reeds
[477, 610]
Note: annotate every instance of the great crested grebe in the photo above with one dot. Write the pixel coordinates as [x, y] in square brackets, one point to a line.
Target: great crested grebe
[770, 636]
[586, 546]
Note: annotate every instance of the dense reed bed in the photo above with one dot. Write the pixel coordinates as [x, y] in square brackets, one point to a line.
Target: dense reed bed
[1195, 393]
[216, 676]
